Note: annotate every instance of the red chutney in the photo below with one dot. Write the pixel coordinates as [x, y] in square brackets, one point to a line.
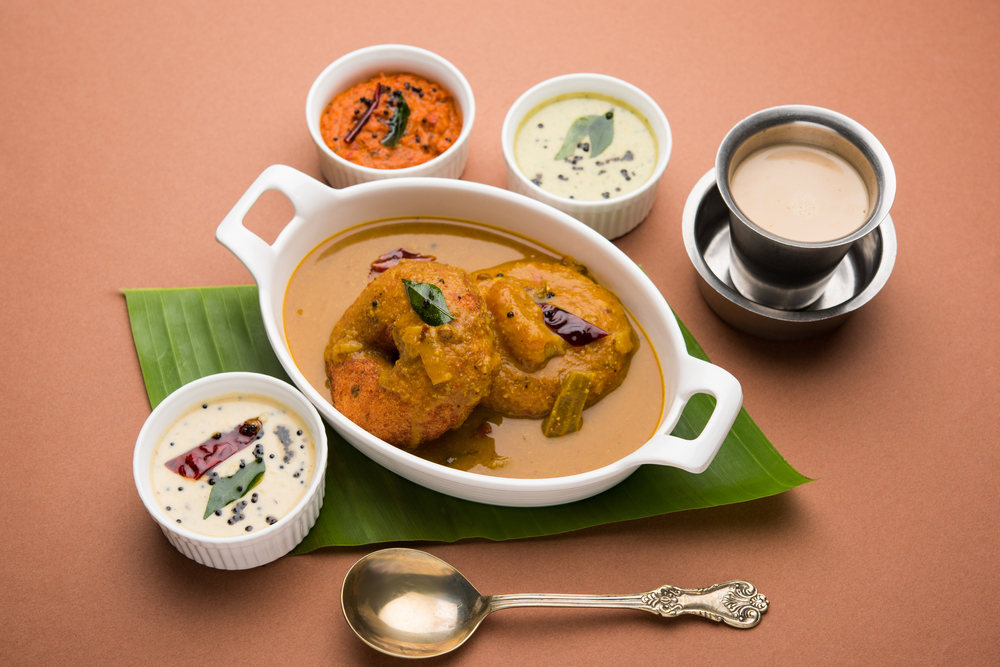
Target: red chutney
[432, 127]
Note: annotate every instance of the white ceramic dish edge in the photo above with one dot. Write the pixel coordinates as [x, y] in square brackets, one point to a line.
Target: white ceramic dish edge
[253, 549]
[321, 212]
[614, 217]
[367, 62]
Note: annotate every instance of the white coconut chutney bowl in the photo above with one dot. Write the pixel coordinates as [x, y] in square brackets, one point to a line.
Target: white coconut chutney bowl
[609, 217]
[260, 546]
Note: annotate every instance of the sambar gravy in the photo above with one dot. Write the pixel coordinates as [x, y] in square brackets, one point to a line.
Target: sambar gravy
[330, 278]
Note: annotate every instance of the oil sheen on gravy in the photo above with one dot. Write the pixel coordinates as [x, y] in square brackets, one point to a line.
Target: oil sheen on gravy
[331, 277]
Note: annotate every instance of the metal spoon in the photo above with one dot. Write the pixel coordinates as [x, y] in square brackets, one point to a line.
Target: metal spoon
[408, 603]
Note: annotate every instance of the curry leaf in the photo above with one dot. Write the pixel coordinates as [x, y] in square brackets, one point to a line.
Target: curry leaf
[428, 300]
[230, 489]
[577, 131]
[397, 124]
[602, 133]
[600, 129]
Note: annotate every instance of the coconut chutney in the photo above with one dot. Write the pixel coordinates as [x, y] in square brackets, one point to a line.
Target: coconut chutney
[572, 169]
[284, 446]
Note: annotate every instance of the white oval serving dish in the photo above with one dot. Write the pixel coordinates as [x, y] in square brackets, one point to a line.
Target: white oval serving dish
[364, 63]
[612, 217]
[256, 548]
[321, 212]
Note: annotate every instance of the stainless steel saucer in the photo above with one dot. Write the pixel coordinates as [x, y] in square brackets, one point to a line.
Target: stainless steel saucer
[858, 279]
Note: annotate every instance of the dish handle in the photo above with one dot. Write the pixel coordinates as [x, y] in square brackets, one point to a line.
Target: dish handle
[307, 196]
[698, 377]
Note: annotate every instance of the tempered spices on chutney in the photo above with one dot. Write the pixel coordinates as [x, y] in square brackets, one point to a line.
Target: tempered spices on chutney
[391, 121]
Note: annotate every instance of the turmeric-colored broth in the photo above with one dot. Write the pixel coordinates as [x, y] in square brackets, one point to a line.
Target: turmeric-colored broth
[330, 278]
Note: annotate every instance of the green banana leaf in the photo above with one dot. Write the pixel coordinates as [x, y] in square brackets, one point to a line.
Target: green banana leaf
[184, 334]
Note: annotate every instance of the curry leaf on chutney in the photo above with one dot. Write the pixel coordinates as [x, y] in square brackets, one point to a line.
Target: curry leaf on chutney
[429, 302]
[600, 128]
[230, 489]
[397, 124]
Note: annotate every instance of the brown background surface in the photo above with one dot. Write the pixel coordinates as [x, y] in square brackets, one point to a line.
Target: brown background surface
[129, 130]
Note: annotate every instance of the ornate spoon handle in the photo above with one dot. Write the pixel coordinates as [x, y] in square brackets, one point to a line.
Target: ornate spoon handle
[736, 603]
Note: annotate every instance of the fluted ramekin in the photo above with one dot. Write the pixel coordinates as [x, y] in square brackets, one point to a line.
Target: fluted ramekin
[609, 217]
[244, 551]
[368, 62]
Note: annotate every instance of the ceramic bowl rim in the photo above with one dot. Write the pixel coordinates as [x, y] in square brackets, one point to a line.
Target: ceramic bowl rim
[427, 60]
[201, 389]
[626, 92]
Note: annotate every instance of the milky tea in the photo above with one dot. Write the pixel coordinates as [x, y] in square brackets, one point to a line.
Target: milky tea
[800, 192]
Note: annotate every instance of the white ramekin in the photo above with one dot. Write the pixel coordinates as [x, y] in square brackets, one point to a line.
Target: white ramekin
[253, 549]
[321, 212]
[364, 63]
[612, 217]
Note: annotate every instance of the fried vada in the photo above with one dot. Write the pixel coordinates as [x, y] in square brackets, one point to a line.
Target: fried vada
[401, 379]
[537, 361]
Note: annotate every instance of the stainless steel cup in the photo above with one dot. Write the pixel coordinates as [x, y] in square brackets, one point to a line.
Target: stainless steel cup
[776, 271]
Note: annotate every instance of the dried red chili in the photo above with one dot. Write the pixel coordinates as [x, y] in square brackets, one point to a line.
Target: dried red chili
[196, 462]
[391, 259]
[356, 130]
[574, 330]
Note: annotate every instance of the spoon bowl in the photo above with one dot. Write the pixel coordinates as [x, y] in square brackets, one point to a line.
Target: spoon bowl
[410, 604]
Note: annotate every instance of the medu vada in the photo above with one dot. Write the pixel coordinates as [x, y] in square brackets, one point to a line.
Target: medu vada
[537, 361]
[401, 379]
